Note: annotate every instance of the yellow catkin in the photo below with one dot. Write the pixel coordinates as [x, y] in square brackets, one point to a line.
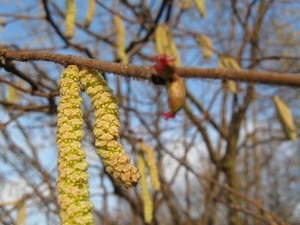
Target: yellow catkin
[147, 201]
[11, 94]
[151, 165]
[121, 39]
[206, 46]
[186, 4]
[165, 43]
[106, 129]
[160, 40]
[72, 181]
[200, 5]
[90, 13]
[286, 119]
[70, 18]
[227, 62]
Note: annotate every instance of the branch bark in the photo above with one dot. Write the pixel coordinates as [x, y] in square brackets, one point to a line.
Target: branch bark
[145, 72]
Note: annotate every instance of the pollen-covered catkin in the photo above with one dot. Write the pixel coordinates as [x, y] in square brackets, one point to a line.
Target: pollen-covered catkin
[147, 201]
[72, 181]
[90, 13]
[151, 165]
[70, 19]
[106, 129]
[121, 39]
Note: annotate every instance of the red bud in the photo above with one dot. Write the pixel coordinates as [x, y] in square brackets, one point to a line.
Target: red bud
[165, 65]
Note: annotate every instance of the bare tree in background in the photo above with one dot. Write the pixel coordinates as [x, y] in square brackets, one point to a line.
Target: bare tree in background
[224, 159]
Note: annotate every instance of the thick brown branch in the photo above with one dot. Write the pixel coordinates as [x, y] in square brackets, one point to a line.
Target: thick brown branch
[145, 72]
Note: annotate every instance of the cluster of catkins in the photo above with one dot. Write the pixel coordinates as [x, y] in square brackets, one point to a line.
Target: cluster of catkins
[73, 195]
[72, 180]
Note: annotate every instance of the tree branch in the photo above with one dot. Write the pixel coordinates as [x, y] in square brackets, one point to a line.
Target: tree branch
[145, 72]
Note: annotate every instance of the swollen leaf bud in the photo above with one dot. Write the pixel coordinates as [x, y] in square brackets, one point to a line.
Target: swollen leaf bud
[176, 95]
